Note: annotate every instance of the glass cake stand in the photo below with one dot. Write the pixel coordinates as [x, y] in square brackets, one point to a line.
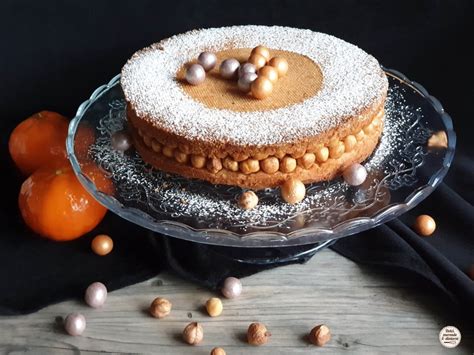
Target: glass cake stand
[403, 171]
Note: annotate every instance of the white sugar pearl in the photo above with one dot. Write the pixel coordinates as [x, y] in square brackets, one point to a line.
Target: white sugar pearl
[245, 81]
[247, 68]
[207, 60]
[195, 74]
[355, 174]
[229, 68]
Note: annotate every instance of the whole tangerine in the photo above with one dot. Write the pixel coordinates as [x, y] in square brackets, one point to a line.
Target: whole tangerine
[39, 141]
[54, 204]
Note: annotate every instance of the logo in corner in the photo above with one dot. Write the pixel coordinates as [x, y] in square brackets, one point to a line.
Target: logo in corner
[450, 336]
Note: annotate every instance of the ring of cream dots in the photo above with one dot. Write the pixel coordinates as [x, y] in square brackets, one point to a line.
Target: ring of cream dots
[256, 76]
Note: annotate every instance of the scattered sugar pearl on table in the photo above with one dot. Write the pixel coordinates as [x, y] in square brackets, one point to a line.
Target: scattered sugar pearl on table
[355, 174]
[207, 60]
[75, 324]
[425, 225]
[231, 287]
[121, 141]
[229, 68]
[96, 295]
[195, 74]
[245, 81]
[102, 244]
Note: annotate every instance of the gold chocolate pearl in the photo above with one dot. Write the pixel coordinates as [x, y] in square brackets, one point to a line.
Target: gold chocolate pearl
[269, 72]
[424, 225]
[288, 164]
[293, 191]
[360, 135]
[214, 165]
[336, 150]
[181, 157]
[307, 160]
[280, 64]
[249, 166]
[230, 164]
[322, 154]
[270, 165]
[168, 151]
[263, 51]
[155, 146]
[198, 161]
[349, 142]
[147, 140]
[261, 87]
[258, 60]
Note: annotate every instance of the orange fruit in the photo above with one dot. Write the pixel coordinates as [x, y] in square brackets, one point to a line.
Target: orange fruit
[54, 204]
[38, 141]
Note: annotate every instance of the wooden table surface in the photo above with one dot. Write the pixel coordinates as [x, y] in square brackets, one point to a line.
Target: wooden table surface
[367, 311]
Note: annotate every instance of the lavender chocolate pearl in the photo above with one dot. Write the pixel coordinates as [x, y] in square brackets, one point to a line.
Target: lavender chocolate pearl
[247, 68]
[229, 68]
[232, 287]
[355, 174]
[96, 294]
[207, 60]
[121, 141]
[195, 74]
[245, 81]
[75, 324]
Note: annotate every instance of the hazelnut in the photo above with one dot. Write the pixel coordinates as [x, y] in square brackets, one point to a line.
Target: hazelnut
[140, 132]
[181, 157]
[168, 151]
[214, 165]
[349, 142]
[257, 334]
[156, 146]
[298, 153]
[322, 154]
[336, 150]
[425, 225]
[307, 160]
[218, 351]
[184, 148]
[248, 200]
[249, 166]
[160, 307]
[147, 140]
[369, 129]
[193, 333]
[230, 164]
[260, 156]
[198, 161]
[270, 165]
[214, 306]
[320, 335]
[240, 156]
[288, 164]
[438, 140]
[280, 154]
[293, 191]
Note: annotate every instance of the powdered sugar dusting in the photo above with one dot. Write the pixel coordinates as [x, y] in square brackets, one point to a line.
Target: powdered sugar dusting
[353, 80]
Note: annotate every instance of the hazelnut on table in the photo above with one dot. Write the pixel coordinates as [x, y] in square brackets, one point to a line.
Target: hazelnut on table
[320, 335]
[193, 333]
[160, 307]
[257, 334]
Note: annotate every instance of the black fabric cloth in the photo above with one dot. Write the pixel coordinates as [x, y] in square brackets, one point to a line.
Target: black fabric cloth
[55, 55]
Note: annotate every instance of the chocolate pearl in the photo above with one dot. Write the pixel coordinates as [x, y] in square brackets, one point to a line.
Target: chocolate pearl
[121, 141]
[355, 174]
[425, 225]
[232, 287]
[207, 60]
[261, 87]
[229, 68]
[258, 60]
[102, 244]
[195, 74]
[96, 294]
[245, 81]
[75, 324]
[269, 72]
[247, 68]
[261, 50]
[293, 191]
[280, 64]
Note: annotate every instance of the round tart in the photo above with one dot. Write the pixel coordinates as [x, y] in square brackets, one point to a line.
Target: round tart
[326, 113]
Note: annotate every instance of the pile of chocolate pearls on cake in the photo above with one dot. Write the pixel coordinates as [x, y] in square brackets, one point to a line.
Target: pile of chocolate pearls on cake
[256, 76]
